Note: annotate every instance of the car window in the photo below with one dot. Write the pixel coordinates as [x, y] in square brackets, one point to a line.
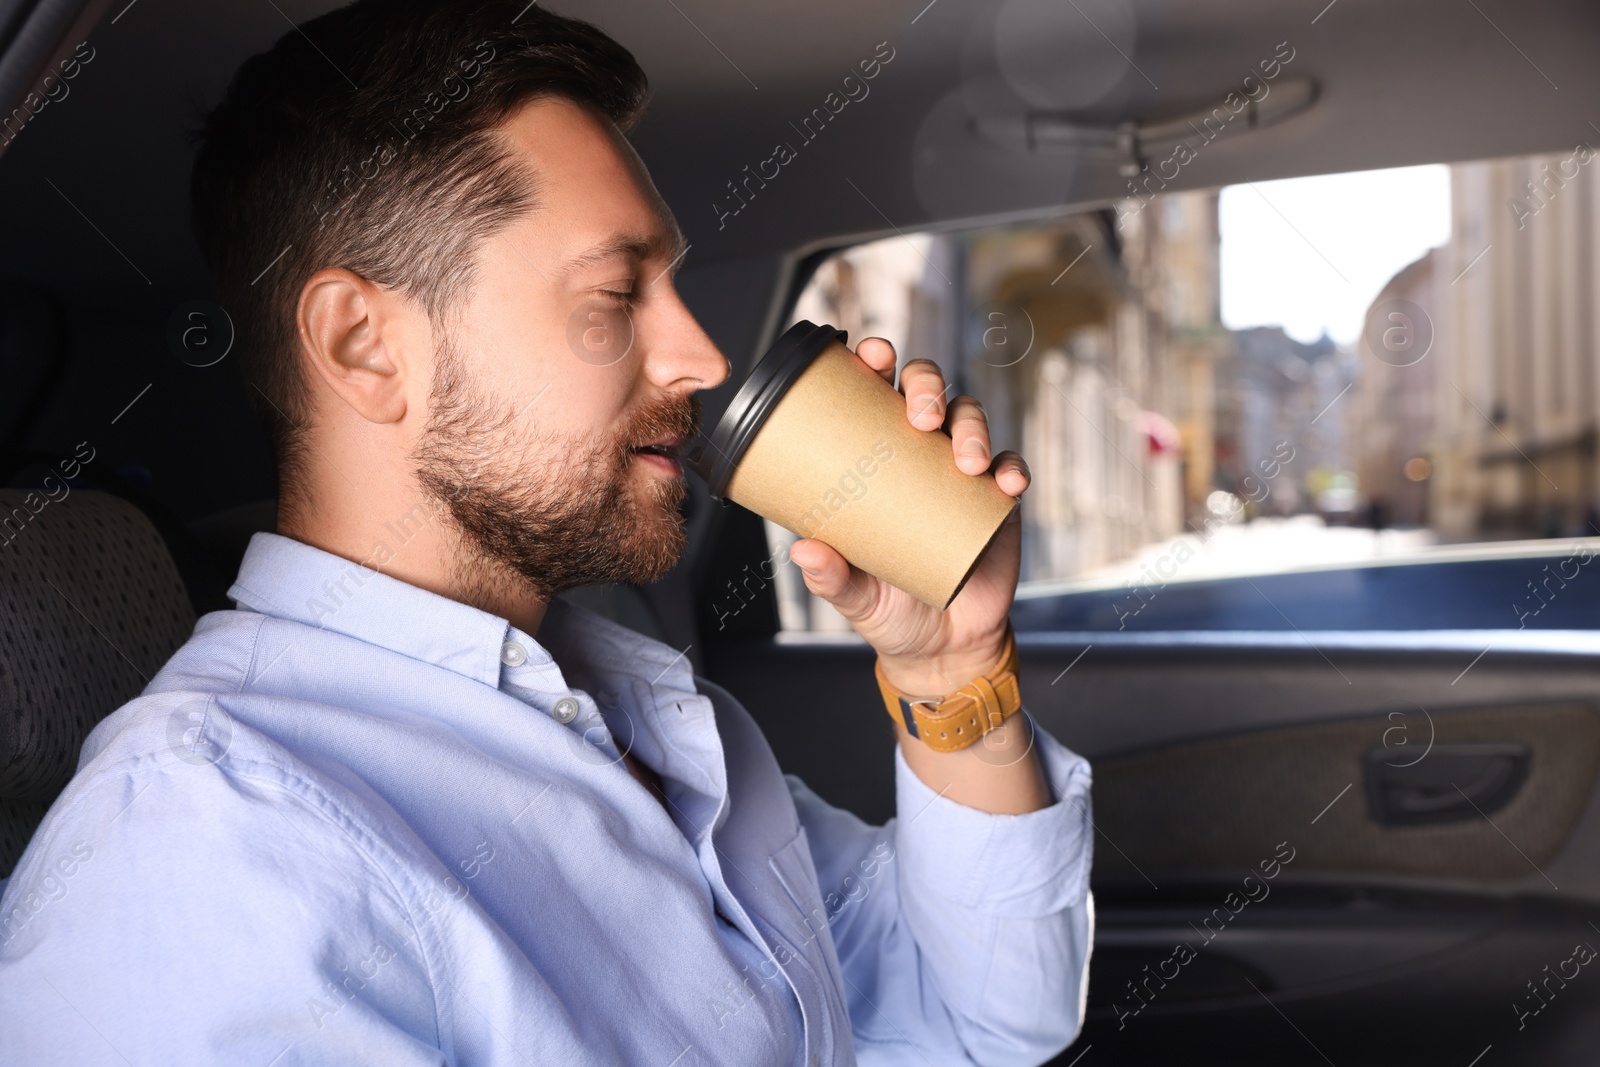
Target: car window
[1370, 374]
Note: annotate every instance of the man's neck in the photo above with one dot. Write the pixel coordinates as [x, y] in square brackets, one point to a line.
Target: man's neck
[416, 542]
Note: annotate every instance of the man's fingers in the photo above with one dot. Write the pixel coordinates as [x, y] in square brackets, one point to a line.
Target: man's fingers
[923, 385]
[1011, 473]
[969, 434]
[830, 576]
[878, 354]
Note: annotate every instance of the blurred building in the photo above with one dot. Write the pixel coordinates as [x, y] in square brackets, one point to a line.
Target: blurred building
[1279, 398]
[1517, 398]
[1091, 342]
[1395, 396]
[1060, 346]
[1492, 412]
[1173, 256]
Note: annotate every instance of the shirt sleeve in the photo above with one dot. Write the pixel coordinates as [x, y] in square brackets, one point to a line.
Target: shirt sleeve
[260, 932]
[963, 936]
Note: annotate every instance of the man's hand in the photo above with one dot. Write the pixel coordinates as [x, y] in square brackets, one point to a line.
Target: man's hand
[926, 652]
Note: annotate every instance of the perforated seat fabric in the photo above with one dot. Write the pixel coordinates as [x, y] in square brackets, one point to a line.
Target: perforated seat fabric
[91, 606]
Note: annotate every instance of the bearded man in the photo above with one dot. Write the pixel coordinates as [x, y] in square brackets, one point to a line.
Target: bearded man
[403, 805]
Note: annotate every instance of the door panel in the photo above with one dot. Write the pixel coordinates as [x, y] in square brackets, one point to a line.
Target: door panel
[1211, 804]
[1407, 922]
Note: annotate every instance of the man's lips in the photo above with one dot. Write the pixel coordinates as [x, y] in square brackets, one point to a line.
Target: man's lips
[668, 447]
[663, 452]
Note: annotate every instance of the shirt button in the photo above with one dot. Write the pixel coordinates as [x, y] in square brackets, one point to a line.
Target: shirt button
[566, 710]
[513, 654]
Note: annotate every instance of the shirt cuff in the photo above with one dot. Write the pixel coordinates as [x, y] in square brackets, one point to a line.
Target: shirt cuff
[1006, 866]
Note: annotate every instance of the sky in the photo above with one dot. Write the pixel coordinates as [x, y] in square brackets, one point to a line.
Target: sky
[1310, 254]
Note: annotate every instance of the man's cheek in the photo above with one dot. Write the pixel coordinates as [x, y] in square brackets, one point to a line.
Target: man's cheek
[600, 332]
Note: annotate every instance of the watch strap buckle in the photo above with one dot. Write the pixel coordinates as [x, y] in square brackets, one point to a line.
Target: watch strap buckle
[953, 722]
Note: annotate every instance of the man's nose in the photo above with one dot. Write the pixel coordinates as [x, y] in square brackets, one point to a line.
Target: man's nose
[684, 356]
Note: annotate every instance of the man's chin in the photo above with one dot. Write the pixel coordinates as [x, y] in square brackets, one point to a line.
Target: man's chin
[643, 568]
[655, 546]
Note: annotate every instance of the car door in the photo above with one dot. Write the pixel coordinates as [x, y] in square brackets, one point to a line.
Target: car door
[1291, 835]
[1325, 789]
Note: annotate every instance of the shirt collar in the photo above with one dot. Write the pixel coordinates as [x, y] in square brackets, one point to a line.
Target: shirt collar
[288, 579]
[291, 580]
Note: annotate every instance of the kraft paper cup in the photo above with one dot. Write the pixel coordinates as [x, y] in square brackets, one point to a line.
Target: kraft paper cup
[817, 442]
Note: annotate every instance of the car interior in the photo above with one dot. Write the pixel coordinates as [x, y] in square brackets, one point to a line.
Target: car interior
[1418, 905]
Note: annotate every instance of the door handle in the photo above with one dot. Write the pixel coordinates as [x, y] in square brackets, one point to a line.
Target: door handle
[1451, 783]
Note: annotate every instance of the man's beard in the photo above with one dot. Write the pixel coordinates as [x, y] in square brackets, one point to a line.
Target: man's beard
[558, 512]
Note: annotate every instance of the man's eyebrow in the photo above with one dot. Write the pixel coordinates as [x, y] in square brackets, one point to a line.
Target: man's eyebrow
[635, 246]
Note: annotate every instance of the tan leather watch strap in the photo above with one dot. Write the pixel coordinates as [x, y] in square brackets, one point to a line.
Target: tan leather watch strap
[958, 719]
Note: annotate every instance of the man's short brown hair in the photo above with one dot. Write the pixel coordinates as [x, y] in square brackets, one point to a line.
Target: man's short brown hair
[363, 139]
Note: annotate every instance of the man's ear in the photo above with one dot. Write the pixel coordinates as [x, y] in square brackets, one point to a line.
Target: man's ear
[345, 327]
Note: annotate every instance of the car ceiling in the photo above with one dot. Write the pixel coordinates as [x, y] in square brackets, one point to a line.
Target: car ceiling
[1427, 80]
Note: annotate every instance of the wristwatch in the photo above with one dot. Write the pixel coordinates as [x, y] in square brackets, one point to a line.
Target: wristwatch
[956, 720]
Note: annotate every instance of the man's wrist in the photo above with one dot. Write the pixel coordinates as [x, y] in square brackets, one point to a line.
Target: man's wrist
[932, 677]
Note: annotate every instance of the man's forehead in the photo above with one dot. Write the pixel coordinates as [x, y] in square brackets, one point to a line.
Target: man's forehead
[591, 179]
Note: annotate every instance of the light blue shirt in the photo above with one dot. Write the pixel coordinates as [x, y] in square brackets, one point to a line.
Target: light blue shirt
[353, 822]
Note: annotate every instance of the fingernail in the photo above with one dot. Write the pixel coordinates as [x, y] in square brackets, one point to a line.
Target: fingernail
[973, 447]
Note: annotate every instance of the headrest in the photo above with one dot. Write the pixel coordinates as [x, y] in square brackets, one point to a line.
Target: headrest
[91, 606]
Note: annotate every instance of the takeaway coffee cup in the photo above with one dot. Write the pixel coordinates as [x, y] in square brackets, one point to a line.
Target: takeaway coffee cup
[817, 442]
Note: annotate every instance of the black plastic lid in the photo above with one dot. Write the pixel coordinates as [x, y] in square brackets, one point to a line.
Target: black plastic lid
[716, 456]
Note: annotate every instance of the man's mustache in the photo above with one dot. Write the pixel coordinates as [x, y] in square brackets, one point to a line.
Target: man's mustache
[671, 419]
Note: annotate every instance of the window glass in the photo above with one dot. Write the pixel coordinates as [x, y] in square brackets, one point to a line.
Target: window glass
[1304, 373]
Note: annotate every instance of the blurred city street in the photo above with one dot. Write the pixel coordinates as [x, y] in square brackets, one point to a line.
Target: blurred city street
[1267, 546]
